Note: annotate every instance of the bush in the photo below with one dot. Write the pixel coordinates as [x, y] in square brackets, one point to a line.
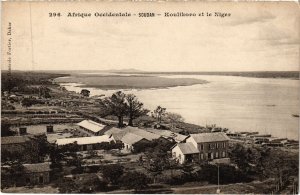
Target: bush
[113, 172]
[134, 180]
[227, 174]
[109, 146]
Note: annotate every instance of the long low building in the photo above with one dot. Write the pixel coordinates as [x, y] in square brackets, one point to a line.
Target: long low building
[91, 127]
[85, 143]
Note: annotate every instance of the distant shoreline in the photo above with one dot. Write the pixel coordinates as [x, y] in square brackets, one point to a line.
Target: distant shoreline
[253, 74]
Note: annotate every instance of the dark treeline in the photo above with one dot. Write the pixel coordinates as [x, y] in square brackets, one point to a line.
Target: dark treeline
[20, 79]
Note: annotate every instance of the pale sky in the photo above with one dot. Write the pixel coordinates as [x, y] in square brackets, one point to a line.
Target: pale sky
[256, 37]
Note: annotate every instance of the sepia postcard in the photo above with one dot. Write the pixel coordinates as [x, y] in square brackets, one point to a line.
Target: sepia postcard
[120, 97]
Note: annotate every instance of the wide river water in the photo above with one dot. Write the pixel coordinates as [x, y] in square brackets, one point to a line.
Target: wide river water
[238, 103]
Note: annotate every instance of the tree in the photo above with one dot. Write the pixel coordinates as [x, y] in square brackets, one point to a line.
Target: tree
[17, 170]
[27, 102]
[135, 180]
[42, 144]
[241, 156]
[85, 92]
[159, 112]
[6, 131]
[44, 92]
[173, 118]
[135, 108]
[158, 158]
[116, 105]
[113, 172]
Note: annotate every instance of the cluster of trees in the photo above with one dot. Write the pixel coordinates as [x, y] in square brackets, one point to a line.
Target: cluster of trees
[85, 92]
[12, 176]
[19, 81]
[28, 102]
[116, 175]
[263, 162]
[121, 105]
[113, 174]
[6, 130]
[161, 115]
[127, 105]
[86, 183]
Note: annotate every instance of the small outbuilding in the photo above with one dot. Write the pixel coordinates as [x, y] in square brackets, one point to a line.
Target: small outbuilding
[185, 152]
[130, 139]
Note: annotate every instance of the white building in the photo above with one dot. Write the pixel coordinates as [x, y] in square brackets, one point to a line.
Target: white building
[85, 143]
[91, 127]
[210, 146]
[184, 152]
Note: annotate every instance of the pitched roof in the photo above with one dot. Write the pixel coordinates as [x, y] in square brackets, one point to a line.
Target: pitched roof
[37, 168]
[91, 125]
[84, 140]
[131, 138]
[143, 133]
[116, 133]
[210, 137]
[168, 134]
[15, 139]
[113, 130]
[188, 148]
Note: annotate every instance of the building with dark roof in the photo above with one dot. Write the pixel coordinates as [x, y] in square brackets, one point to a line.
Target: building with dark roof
[29, 174]
[14, 144]
[130, 139]
[21, 148]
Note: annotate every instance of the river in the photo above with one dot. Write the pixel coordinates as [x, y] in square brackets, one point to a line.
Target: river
[238, 103]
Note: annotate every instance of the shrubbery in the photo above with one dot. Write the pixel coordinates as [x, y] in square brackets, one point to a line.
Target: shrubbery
[113, 172]
[134, 180]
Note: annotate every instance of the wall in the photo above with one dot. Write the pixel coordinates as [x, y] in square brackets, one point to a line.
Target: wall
[177, 154]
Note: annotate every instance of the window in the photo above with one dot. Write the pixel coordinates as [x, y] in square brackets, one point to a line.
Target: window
[179, 156]
[223, 154]
[208, 146]
[41, 179]
[174, 154]
[201, 147]
[201, 156]
[217, 154]
[217, 145]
